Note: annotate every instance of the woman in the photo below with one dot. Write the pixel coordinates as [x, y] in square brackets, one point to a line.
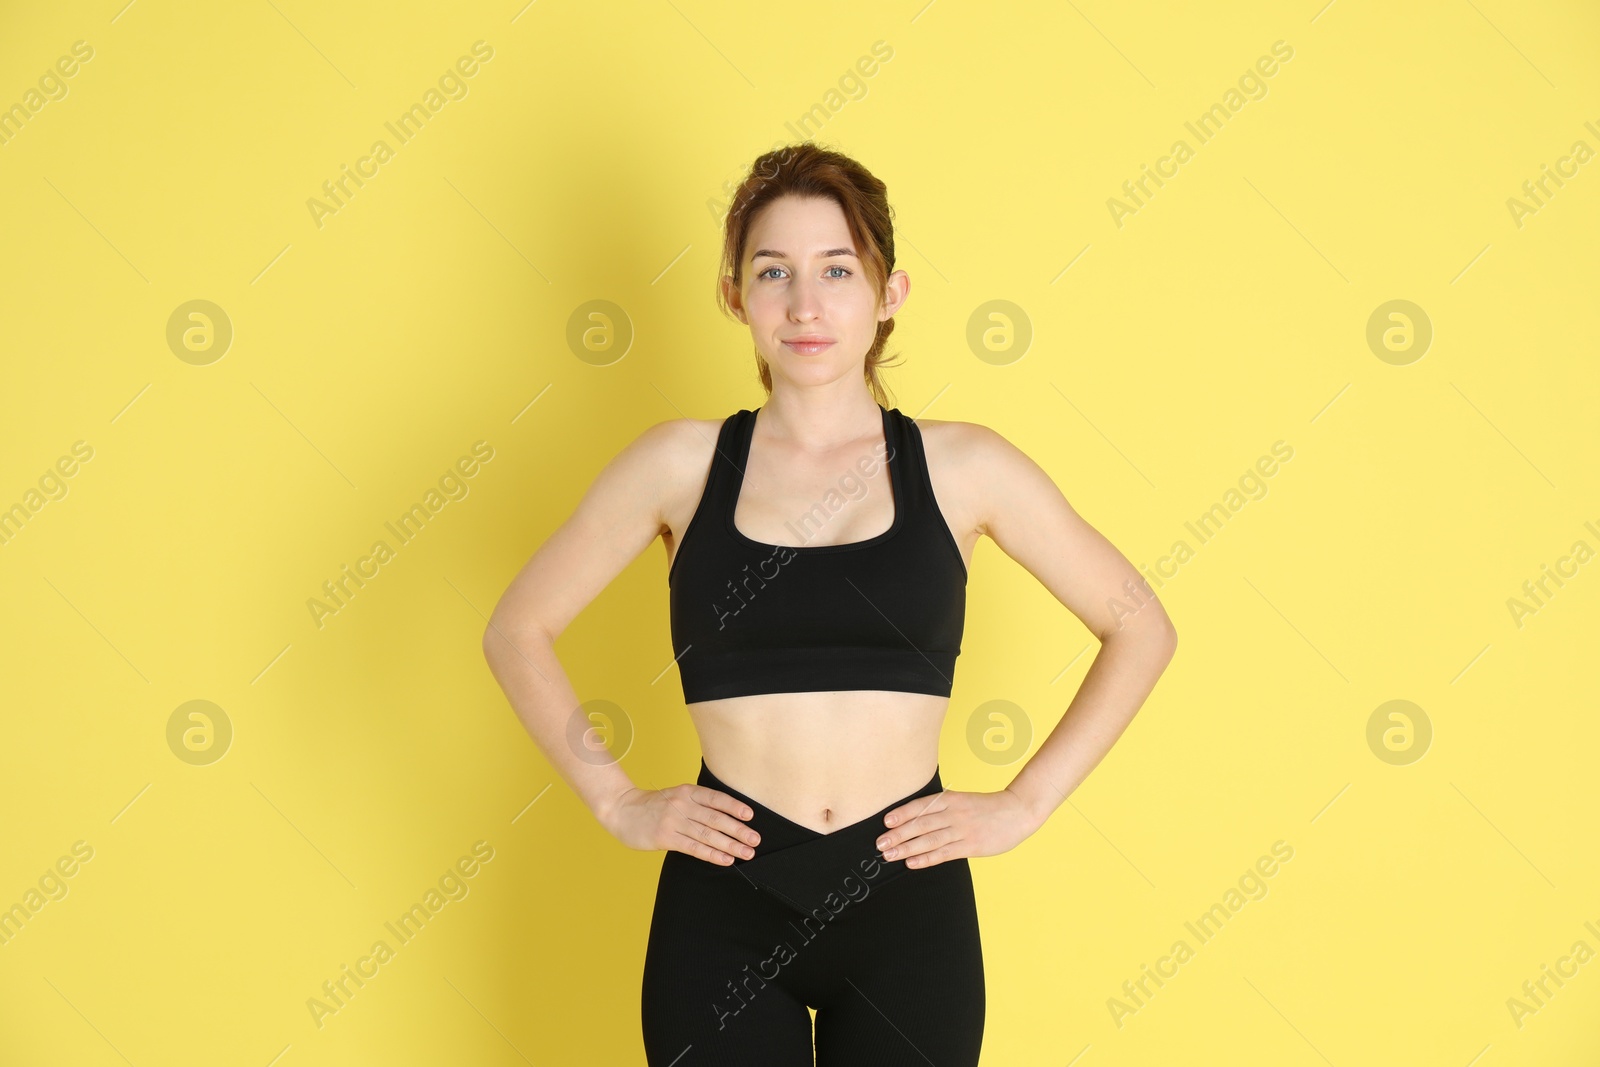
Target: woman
[816, 630]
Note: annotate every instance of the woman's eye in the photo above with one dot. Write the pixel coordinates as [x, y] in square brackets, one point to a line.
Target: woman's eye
[846, 273]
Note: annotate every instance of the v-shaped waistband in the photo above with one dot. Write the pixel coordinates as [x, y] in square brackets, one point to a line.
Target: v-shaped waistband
[812, 872]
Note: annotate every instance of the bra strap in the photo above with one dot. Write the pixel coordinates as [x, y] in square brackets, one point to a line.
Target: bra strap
[726, 461]
[910, 462]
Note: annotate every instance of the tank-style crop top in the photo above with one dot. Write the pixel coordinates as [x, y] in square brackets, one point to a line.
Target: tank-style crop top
[884, 613]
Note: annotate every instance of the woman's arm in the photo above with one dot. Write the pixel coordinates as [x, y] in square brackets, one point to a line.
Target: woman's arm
[1023, 511]
[620, 515]
[999, 491]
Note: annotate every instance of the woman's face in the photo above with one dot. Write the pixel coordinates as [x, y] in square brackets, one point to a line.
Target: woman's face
[802, 279]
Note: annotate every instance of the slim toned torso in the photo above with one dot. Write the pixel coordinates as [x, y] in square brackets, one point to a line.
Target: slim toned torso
[822, 760]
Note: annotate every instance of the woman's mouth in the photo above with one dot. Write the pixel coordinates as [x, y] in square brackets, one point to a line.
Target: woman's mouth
[807, 347]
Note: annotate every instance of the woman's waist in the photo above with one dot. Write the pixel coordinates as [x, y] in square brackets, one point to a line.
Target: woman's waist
[823, 776]
[815, 872]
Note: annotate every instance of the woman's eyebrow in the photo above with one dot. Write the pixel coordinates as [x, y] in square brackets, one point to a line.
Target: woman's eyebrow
[774, 254]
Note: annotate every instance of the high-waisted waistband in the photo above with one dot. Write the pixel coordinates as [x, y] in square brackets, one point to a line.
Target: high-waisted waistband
[809, 870]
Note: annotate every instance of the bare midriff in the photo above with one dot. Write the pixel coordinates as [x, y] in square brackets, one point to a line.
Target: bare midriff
[822, 760]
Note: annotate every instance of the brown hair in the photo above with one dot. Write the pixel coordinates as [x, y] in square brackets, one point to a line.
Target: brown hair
[807, 170]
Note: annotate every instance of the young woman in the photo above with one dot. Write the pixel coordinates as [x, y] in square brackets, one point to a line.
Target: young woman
[818, 549]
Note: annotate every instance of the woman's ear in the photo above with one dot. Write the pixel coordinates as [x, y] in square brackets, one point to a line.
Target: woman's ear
[896, 290]
[730, 293]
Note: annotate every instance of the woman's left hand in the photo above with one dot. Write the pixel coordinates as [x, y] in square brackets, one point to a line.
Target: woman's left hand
[947, 825]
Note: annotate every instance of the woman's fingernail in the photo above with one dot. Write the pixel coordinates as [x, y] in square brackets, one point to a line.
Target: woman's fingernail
[891, 854]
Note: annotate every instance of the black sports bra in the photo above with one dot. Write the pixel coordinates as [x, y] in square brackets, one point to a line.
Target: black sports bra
[885, 613]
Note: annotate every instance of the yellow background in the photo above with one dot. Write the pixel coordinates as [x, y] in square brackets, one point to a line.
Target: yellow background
[586, 163]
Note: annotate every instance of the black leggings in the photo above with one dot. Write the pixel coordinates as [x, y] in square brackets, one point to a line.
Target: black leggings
[888, 955]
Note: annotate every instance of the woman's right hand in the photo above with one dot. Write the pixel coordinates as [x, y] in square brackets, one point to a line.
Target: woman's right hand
[691, 818]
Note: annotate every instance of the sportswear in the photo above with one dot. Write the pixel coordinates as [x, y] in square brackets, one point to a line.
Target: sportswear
[886, 613]
[890, 956]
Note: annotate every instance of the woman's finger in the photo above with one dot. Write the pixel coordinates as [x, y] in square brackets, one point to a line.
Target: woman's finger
[934, 858]
[727, 825]
[911, 809]
[705, 796]
[922, 824]
[717, 839]
[922, 844]
[693, 805]
[698, 848]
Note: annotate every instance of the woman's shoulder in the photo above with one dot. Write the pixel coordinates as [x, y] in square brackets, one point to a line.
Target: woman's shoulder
[684, 434]
[974, 460]
[958, 441]
[680, 432]
[677, 452]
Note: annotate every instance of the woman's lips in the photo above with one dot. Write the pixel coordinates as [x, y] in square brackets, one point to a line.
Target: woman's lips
[807, 348]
